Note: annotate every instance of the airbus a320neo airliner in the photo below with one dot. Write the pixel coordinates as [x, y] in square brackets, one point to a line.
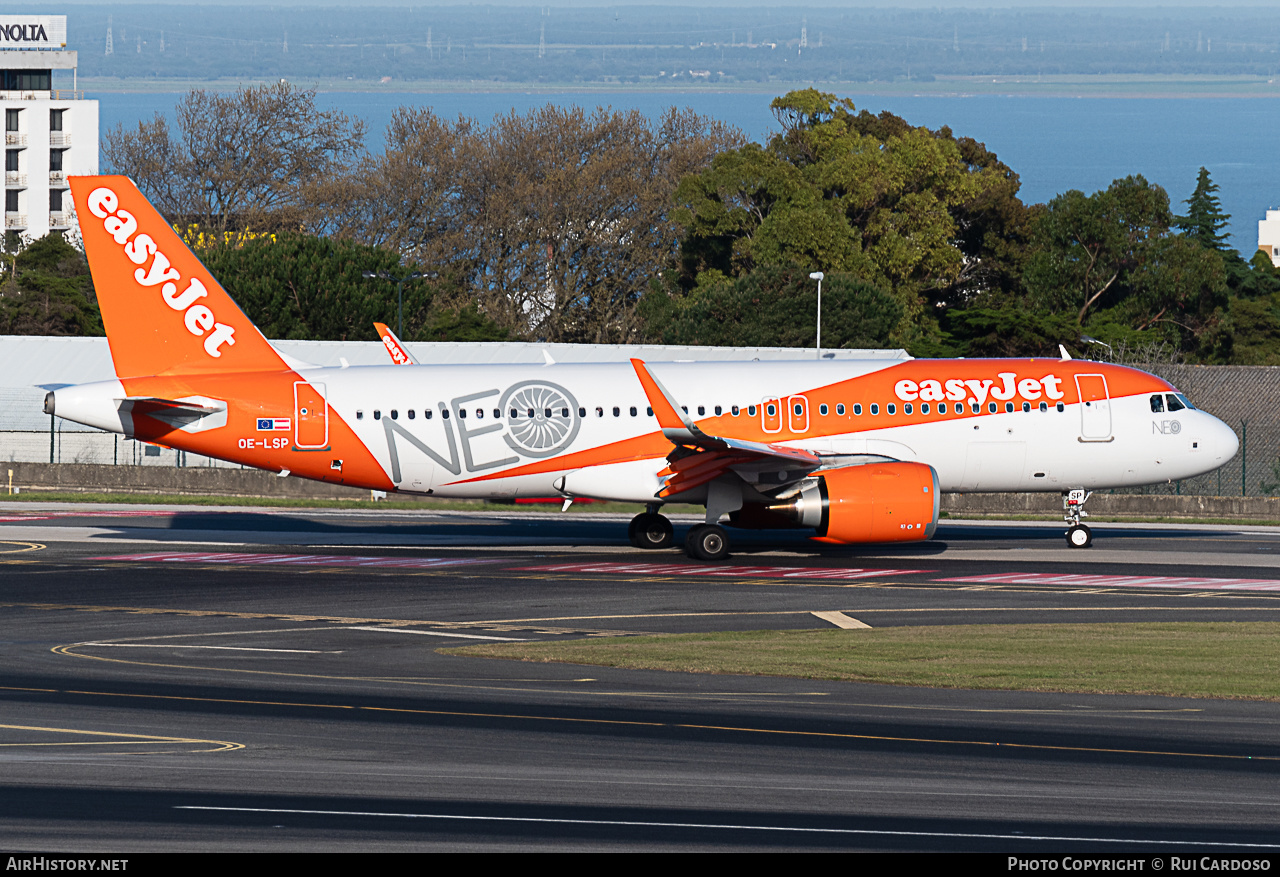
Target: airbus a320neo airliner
[856, 450]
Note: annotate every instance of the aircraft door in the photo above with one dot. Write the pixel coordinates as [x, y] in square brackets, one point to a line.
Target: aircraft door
[798, 414]
[771, 415]
[1095, 408]
[310, 416]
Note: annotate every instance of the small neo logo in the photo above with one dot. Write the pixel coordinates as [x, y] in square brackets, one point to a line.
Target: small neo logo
[1166, 427]
[542, 418]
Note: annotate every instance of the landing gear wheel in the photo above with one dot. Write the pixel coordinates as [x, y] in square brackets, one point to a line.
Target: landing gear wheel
[650, 530]
[1079, 536]
[707, 542]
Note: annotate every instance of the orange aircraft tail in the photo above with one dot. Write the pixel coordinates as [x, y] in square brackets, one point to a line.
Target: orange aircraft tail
[163, 311]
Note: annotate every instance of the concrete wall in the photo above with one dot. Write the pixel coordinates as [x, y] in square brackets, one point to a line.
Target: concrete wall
[156, 480]
[1242, 508]
[91, 478]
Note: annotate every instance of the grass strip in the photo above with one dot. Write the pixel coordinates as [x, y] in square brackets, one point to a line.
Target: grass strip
[1183, 659]
[425, 505]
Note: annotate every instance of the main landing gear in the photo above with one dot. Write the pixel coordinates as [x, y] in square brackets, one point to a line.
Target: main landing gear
[707, 542]
[1078, 534]
[651, 530]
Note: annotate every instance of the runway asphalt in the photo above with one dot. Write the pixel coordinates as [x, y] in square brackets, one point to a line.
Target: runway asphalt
[184, 679]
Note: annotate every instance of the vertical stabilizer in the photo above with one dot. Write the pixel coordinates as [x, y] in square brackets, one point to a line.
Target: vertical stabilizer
[163, 311]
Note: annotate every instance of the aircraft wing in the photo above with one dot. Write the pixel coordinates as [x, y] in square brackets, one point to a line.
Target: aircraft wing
[706, 456]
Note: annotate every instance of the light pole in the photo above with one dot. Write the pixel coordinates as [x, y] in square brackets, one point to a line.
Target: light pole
[818, 275]
[399, 282]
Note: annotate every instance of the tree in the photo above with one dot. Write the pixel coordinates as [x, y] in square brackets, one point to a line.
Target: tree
[46, 289]
[241, 162]
[773, 307]
[1205, 222]
[299, 286]
[553, 222]
[909, 210]
[1114, 252]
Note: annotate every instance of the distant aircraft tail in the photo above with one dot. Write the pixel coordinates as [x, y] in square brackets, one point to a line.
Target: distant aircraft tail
[395, 349]
[163, 311]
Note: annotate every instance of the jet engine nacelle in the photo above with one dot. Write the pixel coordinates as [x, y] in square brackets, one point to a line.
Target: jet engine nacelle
[875, 502]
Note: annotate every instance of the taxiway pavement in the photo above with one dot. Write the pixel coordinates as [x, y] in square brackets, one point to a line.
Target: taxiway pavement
[232, 679]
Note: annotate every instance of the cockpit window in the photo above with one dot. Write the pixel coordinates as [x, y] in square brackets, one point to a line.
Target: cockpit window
[1157, 404]
[1186, 403]
[1175, 403]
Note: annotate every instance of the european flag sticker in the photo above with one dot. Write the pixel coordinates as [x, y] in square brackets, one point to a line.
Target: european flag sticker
[273, 424]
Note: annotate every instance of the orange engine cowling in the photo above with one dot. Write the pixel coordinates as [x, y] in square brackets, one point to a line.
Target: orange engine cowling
[876, 502]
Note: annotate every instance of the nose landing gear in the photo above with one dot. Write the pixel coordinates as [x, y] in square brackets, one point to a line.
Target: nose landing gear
[1078, 535]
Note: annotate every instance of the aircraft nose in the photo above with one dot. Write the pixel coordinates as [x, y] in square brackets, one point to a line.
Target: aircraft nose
[1223, 440]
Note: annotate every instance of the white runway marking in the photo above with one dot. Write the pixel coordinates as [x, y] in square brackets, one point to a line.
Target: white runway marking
[237, 559]
[732, 827]
[1100, 581]
[684, 569]
[219, 648]
[501, 639]
[839, 619]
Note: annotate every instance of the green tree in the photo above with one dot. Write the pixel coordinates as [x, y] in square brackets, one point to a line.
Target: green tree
[1008, 331]
[775, 306]
[1205, 222]
[46, 289]
[298, 286]
[911, 211]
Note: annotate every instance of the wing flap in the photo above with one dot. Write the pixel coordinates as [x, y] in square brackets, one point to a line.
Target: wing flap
[698, 458]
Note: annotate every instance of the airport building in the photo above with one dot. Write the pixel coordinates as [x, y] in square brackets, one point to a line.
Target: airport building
[1269, 236]
[51, 131]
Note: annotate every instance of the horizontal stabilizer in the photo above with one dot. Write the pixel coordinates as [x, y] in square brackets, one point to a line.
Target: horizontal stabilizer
[171, 405]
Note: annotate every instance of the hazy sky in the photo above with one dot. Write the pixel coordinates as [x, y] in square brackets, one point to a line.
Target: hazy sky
[781, 4]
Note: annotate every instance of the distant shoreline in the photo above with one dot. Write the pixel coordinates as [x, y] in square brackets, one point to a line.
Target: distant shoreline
[1101, 86]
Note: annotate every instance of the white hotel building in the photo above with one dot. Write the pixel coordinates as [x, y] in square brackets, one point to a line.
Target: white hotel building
[49, 132]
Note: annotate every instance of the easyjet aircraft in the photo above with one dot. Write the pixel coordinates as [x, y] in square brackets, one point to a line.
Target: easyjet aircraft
[856, 450]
